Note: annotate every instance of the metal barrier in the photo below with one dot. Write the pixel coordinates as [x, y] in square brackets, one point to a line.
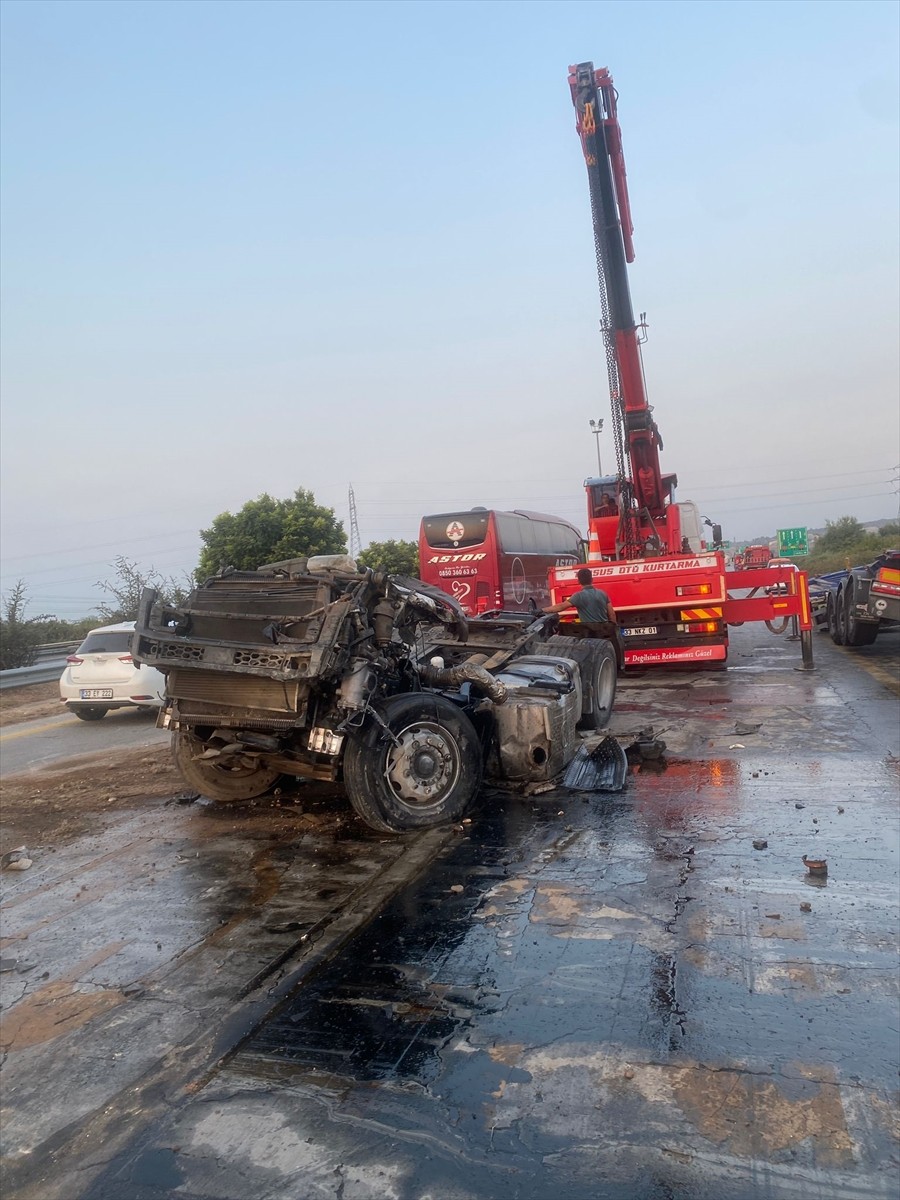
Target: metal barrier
[49, 664]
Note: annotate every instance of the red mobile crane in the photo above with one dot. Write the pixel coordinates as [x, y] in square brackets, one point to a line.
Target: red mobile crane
[669, 591]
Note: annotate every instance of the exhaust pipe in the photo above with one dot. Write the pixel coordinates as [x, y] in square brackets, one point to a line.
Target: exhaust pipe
[466, 673]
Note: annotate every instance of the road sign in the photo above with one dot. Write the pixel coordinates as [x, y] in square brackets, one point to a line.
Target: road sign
[792, 542]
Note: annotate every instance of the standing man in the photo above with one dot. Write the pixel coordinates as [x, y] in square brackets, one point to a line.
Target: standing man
[595, 612]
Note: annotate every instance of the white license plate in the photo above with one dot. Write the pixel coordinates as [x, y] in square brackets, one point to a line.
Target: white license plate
[640, 631]
[96, 693]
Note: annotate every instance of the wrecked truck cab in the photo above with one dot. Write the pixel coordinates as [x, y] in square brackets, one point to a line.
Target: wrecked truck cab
[314, 669]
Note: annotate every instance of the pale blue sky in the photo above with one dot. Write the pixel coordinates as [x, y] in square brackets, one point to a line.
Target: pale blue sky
[251, 247]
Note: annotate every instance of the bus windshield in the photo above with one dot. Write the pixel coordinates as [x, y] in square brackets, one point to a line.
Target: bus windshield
[491, 560]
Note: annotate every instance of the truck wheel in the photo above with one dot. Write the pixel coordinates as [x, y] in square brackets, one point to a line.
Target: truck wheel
[228, 780]
[90, 714]
[856, 632]
[598, 680]
[598, 668]
[833, 615]
[425, 774]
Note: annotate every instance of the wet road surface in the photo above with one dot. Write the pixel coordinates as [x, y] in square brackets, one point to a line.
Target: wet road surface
[33, 744]
[575, 995]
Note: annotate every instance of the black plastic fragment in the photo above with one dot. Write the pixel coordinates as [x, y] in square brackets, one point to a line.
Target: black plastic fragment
[603, 769]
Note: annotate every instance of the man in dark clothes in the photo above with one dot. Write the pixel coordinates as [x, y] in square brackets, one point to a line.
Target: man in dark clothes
[596, 614]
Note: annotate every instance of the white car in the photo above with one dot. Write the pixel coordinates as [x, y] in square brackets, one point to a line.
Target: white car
[101, 675]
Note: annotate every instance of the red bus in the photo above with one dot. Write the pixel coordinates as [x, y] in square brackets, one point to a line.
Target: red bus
[491, 560]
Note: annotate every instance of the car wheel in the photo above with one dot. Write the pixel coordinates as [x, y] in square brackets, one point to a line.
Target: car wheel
[416, 765]
[856, 632]
[232, 778]
[833, 615]
[89, 714]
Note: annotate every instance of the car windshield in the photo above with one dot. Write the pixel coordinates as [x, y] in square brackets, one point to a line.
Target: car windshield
[106, 643]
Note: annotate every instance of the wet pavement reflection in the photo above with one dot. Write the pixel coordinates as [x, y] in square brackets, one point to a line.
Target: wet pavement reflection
[595, 996]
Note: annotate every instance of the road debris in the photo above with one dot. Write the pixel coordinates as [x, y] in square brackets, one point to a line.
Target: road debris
[742, 728]
[815, 866]
[806, 906]
[16, 860]
[759, 843]
[645, 747]
[603, 769]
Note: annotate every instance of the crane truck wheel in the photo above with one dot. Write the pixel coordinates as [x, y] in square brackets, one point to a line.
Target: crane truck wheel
[417, 767]
[234, 778]
[833, 617]
[856, 632]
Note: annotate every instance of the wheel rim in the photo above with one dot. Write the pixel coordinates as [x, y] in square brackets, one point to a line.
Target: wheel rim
[423, 765]
[606, 685]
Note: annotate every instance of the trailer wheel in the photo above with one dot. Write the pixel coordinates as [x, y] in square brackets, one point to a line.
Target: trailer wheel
[833, 616]
[229, 780]
[419, 766]
[856, 632]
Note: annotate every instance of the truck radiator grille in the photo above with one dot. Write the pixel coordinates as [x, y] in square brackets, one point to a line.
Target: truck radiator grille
[234, 691]
[171, 652]
[227, 721]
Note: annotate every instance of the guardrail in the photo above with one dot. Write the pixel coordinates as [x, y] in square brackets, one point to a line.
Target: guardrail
[50, 661]
[38, 673]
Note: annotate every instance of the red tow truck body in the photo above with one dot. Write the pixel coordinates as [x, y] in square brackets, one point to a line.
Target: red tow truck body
[672, 594]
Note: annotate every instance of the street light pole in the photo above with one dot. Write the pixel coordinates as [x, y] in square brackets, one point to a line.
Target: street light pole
[596, 429]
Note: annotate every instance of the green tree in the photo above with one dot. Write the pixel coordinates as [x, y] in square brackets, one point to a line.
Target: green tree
[269, 530]
[19, 635]
[398, 558]
[126, 587]
[840, 535]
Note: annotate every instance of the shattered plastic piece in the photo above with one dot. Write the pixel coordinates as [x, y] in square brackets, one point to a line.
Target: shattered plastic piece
[8, 964]
[806, 906]
[737, 746]
[773, 916]
[797, 804]
[815, 866]
[11, 857]
[603, 769]
[744, 727]
[22, 863]
[759, 843]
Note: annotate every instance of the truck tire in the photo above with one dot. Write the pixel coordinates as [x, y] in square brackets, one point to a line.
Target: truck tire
[419, 768]
[596, 658]
[834, 617]
[856, 632]
[227, 780]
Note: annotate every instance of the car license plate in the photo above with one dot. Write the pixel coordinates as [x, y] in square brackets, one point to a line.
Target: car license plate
[96, 693]
[640, 631]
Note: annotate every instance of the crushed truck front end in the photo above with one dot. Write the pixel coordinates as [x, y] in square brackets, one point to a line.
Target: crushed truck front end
[376, 681]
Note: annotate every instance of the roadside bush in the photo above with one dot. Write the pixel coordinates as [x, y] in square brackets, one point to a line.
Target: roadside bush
[19, 635]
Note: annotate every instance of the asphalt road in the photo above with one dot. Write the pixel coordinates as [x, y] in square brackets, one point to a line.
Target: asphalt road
[602, 997]
[53, 739]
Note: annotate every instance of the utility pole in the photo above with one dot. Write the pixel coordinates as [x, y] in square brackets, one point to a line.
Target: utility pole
[597, 429]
